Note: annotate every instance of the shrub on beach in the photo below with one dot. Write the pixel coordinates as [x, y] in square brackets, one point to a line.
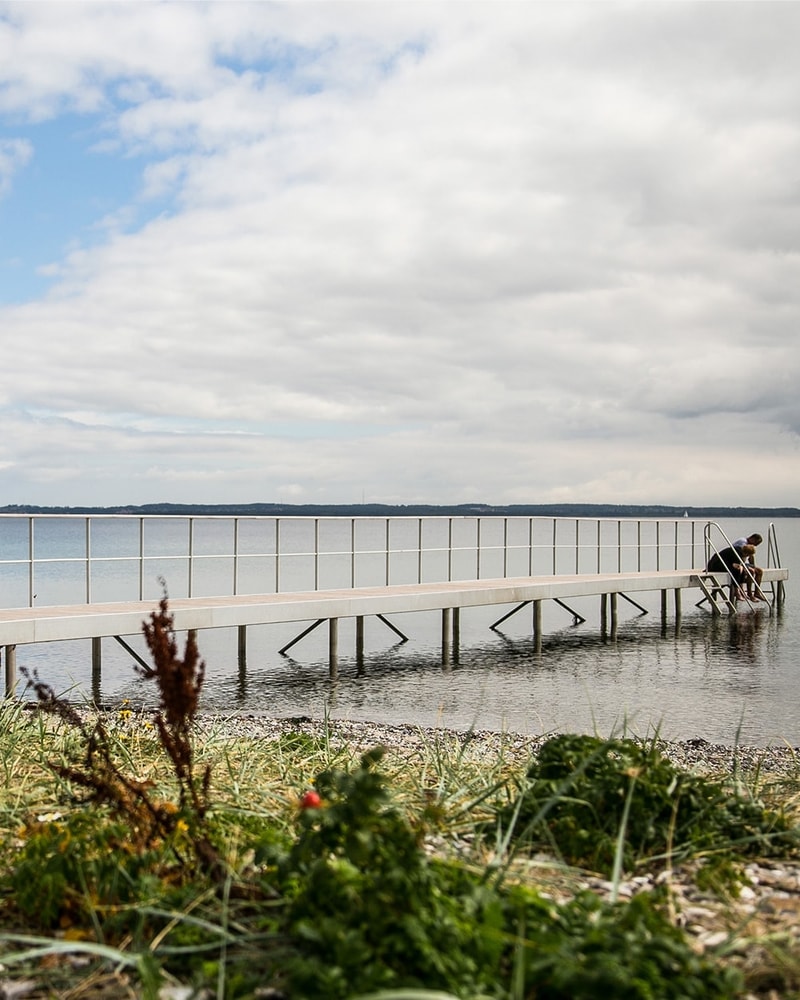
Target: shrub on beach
[596, 801]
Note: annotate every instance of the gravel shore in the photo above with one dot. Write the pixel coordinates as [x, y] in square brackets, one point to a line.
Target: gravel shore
[765, 910]
[695, 754]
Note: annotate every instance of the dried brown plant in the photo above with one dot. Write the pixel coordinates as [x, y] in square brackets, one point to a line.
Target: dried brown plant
[179, 681]
[151, 821]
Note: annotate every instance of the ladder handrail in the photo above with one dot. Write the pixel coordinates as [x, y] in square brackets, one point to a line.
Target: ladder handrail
[772, 547]
[771, 540]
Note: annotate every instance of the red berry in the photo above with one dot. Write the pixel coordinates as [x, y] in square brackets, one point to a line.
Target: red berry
[310, 800]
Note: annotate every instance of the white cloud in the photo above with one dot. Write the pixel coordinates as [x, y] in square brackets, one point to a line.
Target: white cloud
[539, 251]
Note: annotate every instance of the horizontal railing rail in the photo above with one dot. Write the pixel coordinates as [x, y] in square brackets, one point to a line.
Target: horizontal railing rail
[48, 559]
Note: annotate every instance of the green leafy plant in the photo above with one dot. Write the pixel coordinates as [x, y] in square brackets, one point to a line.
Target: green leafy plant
[78, 869]
[629, 951]
[367, 910]
[584, 797]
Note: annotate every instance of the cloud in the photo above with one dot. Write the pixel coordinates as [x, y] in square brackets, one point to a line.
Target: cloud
[432, 252]
[14, 154]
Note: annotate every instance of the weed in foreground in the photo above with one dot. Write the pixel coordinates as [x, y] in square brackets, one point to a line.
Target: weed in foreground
[150, 822]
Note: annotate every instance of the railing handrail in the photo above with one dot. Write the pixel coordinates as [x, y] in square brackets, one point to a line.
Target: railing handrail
[772, 551]
[664, 541]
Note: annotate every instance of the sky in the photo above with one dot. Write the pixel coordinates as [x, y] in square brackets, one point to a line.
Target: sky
[400, 252]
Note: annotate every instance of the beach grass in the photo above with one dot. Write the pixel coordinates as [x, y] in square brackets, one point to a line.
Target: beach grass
[164, 855]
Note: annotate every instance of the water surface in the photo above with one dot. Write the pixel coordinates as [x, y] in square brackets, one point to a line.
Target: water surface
[722, 679]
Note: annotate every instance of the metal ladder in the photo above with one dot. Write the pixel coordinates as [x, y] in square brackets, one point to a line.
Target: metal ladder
[712, 590]
[710, 583]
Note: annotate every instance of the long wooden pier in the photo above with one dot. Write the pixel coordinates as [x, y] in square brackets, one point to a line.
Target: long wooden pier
[19, 626]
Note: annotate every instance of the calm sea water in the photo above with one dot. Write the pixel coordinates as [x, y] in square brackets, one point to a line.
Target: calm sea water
[722, 679]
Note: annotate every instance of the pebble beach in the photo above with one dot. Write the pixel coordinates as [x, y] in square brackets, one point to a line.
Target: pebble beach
[694, 754]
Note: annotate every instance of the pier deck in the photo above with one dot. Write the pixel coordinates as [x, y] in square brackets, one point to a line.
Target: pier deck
[48, 624]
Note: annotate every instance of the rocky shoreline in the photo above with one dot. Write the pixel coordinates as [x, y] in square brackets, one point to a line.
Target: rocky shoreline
[694, 754]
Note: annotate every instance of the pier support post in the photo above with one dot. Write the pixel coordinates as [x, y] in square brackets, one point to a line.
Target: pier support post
[241, 684]
[663, 607]
[360, 641]
[97, 667]
[678, 604]
[456, 632]
[11, 669]
[447, 634]
[537, 626]
[241, 659]
[613, 602]
[603, 614]
[333, 648]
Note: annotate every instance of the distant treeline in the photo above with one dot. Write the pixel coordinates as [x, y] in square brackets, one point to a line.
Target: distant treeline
[417, 510]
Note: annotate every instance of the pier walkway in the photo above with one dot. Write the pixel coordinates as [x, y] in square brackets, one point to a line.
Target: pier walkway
[94, 621]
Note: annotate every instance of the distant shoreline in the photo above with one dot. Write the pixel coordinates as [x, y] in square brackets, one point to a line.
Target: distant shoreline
[415, 510]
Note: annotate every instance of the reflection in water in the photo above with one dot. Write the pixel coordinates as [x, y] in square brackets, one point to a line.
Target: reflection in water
[713, 677]
[743, 632]
[710, 677]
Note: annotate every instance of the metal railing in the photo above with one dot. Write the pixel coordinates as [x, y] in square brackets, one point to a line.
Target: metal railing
[712, 547]
[99, 558]
[711, 535]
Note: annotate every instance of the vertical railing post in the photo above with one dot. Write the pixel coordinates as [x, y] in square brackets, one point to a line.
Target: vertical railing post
[530, 546]
[598, 545]
[88, 548]
[352, 552]
[31, 575]
[190, 581]
[419, 551]
[277, 555]
[316, 553]
[388, 540]
[235, 556]
[639, 546]
[577, 545]
[658, 546]
[555, 544]
[505, 548]
[449, 549]
[141, 558]
[478, 548]
[619, 546]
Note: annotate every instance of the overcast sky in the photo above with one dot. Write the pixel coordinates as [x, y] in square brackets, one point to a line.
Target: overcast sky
[400, 252]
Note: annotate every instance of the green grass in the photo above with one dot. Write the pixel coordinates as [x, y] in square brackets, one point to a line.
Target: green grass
[136, 854]
[421, 875]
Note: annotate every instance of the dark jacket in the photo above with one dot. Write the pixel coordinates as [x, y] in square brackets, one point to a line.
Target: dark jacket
[724, 562]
